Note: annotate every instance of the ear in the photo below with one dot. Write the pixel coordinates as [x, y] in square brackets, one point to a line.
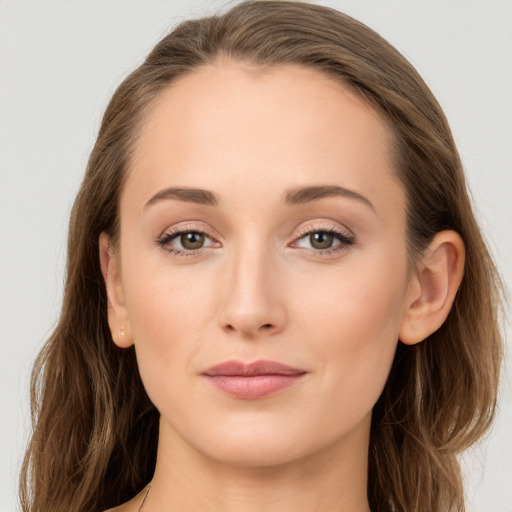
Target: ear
[433, 287]
[118, 320]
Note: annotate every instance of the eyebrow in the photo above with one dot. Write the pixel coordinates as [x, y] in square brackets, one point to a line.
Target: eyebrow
[312, 193]
[191, 195]
[292, 197]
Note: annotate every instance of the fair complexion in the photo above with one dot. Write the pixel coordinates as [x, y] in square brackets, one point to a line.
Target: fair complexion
[250, 268]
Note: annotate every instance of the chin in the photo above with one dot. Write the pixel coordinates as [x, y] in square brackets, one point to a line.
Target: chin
[253, 454]
[265, 446]
[249, 445]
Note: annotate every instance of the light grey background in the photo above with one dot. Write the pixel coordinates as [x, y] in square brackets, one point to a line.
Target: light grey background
[61, 61]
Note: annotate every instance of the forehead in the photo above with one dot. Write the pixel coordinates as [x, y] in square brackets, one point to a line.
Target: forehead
[233, 126]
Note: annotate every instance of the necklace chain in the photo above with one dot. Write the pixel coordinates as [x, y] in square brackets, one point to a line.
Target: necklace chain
[145, 498]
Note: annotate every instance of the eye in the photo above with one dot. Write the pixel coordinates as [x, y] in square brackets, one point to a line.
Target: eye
[324, 240]
[321, 240]
[185, 242]
[191, 240]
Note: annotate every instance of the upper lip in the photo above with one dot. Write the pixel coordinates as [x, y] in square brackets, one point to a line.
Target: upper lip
[262, 367]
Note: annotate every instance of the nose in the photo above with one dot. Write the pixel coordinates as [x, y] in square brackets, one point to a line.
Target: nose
[253, 294]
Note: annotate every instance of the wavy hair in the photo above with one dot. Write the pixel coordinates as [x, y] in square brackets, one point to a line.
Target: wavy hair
[95, 430]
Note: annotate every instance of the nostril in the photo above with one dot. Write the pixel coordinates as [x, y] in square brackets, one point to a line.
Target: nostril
[249, 328]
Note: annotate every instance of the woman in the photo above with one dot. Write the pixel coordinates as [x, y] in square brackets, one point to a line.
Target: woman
[277, 294]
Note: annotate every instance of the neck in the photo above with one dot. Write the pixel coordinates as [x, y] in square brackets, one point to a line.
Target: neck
[331, 479]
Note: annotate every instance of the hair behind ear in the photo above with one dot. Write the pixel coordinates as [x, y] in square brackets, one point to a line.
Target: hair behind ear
[441, 394]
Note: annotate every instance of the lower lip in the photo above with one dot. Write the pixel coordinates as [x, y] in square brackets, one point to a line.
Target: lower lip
[255, 386]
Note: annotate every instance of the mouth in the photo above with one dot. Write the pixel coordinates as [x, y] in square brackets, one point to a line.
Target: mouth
[250, 381]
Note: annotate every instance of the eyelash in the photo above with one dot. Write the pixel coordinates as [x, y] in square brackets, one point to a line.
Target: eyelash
[346, 239]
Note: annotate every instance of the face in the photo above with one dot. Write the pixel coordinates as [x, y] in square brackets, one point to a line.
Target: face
[292, 251]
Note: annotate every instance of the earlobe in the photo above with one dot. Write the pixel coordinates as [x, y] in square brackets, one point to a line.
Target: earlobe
[118, 320]
[434, 287]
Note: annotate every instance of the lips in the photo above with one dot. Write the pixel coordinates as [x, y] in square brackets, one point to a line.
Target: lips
[255, 380]
[250, 369]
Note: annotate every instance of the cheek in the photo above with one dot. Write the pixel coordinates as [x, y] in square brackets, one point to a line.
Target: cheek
[167, 312]
[355, 320]
[161, 308]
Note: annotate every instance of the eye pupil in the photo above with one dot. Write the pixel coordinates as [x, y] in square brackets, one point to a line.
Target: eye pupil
[192, 240]
[321, 240]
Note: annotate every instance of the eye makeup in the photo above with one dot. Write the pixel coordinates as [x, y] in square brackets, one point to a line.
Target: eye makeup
[322, 240]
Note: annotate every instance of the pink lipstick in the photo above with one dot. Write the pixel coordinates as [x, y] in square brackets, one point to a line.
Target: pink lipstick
[255, 380]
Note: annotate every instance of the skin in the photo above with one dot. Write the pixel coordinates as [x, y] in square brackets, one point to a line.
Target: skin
[261, 289]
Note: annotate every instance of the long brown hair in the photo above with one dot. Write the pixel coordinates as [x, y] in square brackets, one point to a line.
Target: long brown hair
[94, 429]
